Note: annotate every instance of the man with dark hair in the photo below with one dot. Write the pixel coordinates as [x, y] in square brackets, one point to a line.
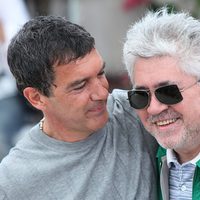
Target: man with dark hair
[89, 145]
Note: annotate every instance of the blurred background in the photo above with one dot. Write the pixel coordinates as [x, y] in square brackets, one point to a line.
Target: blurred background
[106, 20]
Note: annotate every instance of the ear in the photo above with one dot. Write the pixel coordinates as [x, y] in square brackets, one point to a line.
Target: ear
[35, 98]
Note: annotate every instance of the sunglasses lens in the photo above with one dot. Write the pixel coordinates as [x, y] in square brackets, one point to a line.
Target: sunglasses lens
[138, 99]
[169, 94]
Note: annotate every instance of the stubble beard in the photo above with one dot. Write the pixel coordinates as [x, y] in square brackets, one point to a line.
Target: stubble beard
[189, 138]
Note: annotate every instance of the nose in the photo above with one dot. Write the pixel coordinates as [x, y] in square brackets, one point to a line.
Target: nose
[99, 90]
[155, 107]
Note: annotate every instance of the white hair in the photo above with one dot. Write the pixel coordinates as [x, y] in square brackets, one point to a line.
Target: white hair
[164, 34]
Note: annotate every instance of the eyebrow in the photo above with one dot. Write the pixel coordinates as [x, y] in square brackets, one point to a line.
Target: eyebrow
[163, 83]
[77, 82]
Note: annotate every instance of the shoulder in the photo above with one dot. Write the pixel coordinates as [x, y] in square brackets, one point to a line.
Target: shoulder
[17, 164]
[118, 103]
[119, 96]
[121, 115]
[124, 117]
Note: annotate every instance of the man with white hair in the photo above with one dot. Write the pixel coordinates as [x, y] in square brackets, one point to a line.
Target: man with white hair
[162, 55]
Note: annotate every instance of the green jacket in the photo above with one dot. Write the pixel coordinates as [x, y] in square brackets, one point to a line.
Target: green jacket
[164, 172]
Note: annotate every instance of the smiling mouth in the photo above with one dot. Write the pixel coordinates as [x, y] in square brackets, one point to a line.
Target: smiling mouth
[166, 122]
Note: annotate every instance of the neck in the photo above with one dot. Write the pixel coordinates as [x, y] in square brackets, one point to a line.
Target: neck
[187, 155]
[62, 134]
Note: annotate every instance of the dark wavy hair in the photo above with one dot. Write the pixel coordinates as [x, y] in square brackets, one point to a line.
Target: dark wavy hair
[41, 44]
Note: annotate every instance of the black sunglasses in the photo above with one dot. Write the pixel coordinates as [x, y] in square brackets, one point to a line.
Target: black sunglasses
[169, 95]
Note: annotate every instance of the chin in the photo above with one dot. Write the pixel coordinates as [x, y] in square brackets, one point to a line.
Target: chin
[169, 144]
[100, 123]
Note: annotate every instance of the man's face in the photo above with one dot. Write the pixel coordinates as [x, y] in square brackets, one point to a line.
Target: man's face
[174, 126]
[78, 103]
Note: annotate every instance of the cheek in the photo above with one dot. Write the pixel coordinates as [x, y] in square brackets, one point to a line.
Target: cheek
[79, 100]
[190, 112]
[105, 83]
[82, 101]
[70, 103]
[142, 115]
[190, 103]
[189, 108]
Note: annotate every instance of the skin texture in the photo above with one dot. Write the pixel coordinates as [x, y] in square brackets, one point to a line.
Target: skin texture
[77, 107]
[181, 131]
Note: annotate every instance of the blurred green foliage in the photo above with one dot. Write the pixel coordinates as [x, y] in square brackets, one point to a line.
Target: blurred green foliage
[155, 6]
[173, 8]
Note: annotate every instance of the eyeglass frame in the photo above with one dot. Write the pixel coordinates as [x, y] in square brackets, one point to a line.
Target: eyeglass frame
[148, 92]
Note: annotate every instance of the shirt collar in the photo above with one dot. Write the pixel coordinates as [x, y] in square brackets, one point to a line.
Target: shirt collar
[171, 158]
[194, 160]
